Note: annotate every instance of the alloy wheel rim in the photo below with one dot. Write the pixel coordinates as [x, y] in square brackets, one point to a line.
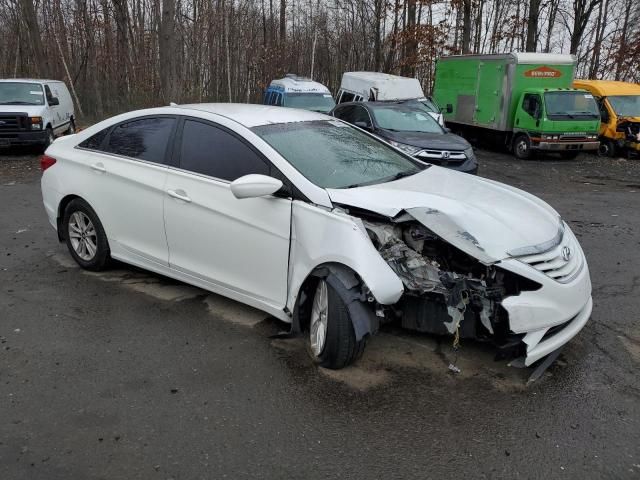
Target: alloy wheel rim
[83, 236]
[319, 314]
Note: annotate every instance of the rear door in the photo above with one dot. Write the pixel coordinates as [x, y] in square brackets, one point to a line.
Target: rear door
[125, 179]
[235, 245]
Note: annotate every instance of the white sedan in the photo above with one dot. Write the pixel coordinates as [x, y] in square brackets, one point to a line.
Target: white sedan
[321, 225]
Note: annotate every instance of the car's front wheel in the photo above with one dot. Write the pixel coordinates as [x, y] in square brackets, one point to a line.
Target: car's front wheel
[332, 342]
[85, 236]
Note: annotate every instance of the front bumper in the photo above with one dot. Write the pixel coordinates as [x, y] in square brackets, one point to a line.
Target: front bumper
[552, 315]
[559, 146]
[8, 139]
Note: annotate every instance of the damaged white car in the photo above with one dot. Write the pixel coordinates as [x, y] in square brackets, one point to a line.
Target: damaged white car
[319, 224]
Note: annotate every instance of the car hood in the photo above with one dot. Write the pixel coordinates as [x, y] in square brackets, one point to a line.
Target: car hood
[29, 110]
[483, 218]
[440, 141]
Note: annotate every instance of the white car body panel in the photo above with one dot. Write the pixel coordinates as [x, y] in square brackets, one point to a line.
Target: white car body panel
[233, 235]
[261, 250]
[320, 237]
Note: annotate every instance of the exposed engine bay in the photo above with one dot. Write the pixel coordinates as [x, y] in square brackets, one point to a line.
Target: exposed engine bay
[630, 129]
[446, 290]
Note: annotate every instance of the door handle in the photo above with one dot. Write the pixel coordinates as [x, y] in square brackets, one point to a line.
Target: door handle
[180, 195]
[98, 167]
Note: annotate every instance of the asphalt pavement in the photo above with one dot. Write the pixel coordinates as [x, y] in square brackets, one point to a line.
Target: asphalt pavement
[128, 375]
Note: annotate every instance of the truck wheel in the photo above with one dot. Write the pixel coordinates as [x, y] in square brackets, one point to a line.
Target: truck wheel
[607, 148]
[72, 128]
[522, 147]
[332, 342]
[49, 138]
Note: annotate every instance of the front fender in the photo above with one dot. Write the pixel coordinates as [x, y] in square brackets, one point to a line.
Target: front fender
[320, 236]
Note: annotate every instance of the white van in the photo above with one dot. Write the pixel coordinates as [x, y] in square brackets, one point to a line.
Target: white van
[34, 112]
[383, 87]
[299, 92]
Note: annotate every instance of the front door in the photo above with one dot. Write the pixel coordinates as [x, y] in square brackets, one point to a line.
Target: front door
[236, 245]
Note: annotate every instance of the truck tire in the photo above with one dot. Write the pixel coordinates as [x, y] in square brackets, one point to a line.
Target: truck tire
[72, 128]
[522, 147]
[331, 340]
[607, 148]
[50, 137]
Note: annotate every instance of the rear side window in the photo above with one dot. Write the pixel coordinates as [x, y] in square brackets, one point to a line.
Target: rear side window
[214, 152]
[94, 142]
[345, 113]
[144, 139]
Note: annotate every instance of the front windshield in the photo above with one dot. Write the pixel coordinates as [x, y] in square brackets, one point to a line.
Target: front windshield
[568, 105]
[20, 93]
[319, 102]
[625, 105]
[405, 120]
[332, 154]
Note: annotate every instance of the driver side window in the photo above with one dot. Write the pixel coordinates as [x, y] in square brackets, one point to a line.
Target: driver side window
[532, 105]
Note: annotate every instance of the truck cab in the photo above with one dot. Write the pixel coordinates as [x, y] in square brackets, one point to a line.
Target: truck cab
[563, 121]
[619, 104]
[34, 112]
[299, 92]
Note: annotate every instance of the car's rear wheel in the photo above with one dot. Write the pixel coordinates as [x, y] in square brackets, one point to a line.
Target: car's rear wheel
[332, 342]
[85, 236]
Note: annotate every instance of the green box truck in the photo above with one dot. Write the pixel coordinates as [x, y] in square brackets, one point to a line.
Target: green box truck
[522, 99]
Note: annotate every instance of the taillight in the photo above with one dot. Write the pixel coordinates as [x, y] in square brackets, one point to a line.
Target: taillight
[46, 161]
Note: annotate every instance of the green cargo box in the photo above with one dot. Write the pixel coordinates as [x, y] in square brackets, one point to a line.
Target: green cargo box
[484, 90]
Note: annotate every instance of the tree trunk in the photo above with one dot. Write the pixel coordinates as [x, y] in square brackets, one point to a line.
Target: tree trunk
[466, 26]
[532, 25]
[43, 68]
[167, 46]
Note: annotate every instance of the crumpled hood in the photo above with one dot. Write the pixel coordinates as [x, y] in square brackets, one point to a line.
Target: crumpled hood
[483, 218]
[438, 141]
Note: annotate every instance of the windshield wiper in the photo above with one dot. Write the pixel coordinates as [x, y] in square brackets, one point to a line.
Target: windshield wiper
[16, 102]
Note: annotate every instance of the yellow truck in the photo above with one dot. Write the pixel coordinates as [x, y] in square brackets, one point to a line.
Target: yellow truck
[619, 104]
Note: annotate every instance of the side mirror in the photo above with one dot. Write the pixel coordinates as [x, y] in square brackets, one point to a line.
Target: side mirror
[255, 185]
[54, 101]
[447, 130]
[449, 108]
[363, 125]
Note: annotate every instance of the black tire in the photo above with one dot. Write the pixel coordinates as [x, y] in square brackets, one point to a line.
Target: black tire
[48, 140]
[72, 128]
[522, 147]
[101, 257]
[340, 348]
[607, 148]
[572, 155]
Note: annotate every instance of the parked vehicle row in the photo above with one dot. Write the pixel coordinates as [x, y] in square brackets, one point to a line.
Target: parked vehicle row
[34, 112]
[321, 224]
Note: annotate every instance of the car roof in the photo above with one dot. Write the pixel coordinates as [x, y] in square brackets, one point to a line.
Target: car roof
[604, 88]
[389, 87]
[30, 80]
[252, 115]
[399, 104]
[295, 84]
